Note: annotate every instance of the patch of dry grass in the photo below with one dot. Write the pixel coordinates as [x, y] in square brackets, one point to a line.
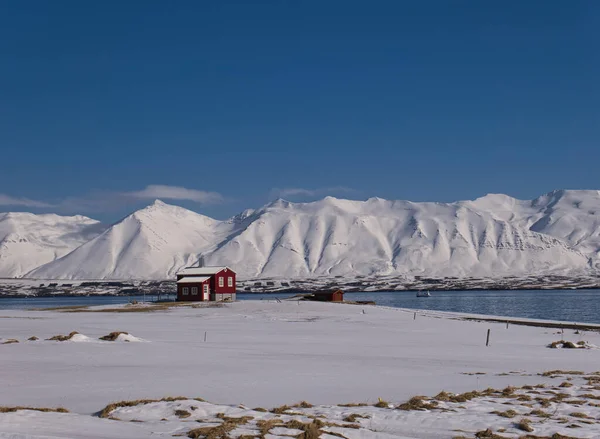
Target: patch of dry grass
[281, 410]
[524, 425]
[106, 411]
[113, 336]
[507, 414]
[37, 409]
[382, 404]
[10, 341]
[565, 384]
[303, 405]
[554, 373]
[33, 338]
[354, 404]
[418, 403]
[354, 416]
[220, 431]
[579, 415]
[182, 414]
[60, 337]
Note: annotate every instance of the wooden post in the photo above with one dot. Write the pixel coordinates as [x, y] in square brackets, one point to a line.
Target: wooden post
[205, 336]
[507, 324]
[487, 341]
[415, 316]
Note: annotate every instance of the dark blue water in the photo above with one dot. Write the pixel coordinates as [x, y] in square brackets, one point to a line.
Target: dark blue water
[566, 305]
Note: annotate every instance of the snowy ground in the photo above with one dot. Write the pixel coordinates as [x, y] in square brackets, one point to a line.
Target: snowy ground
[267, 354]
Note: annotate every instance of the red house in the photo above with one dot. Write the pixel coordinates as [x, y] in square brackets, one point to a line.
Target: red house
[203, 284]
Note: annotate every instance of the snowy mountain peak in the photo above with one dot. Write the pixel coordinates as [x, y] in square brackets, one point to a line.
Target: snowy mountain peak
[493, 235]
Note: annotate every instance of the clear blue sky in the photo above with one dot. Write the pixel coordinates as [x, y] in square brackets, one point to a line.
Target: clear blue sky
[239, 102]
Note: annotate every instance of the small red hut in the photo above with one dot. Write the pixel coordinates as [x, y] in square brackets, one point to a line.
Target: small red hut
[329, 296]
[204, 284]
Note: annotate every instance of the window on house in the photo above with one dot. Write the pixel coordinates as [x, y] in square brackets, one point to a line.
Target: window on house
[185, 291]
[206, 289]
[221, 282]
[229, 281]
[194, 291]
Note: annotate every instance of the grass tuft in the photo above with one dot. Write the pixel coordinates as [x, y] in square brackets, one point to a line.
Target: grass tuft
[37, 409]
[524, 425]
[507, 414]
[113, 336]
[60, 337]
[182, 414]
[10, 341]
[418, 403]
[106, 411]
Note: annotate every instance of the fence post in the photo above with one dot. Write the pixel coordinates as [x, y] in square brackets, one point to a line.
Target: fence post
[205, 336]
[487, 341]
[415, 316]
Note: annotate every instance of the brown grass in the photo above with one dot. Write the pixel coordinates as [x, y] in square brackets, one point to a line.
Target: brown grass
[418, 403]
[354, 404]
[63, 337]
[260, 409]
[354, 416]
[565, 384]
[540, 413]
[182, 414]
[113, 336]
[10, 341]
[106, 411]
[61, 308]
[220, 431]
[303, 405]
[281, 410]
[382, 404]
[488, 434]
[552, 373]
[33, 338]
[579, 415]
[507, 414]
[524, 425]
[37, 409]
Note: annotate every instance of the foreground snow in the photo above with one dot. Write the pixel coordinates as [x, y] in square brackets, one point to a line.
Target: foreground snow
[266, 354]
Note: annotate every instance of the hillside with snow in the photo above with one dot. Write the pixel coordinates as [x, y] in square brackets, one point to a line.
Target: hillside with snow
[28, 241]
[496, 235]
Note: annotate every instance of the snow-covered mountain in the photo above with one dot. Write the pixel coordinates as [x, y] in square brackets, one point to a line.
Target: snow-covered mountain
[28, 241]
[494, 235]
[151, 243]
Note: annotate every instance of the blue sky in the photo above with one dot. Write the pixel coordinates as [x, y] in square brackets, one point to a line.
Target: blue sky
[221, 106]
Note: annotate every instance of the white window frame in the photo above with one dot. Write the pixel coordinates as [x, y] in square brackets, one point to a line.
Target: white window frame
[230, 281]
[206, 289]
[185, 291]
[221, 282]
[194, 291]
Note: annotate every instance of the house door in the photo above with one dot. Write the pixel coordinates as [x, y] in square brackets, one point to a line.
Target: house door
[206, 292]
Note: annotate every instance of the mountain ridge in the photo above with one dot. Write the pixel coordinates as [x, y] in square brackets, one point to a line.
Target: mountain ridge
[556, 233]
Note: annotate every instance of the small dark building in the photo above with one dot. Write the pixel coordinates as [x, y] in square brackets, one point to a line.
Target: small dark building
[329, 296]
[206, 284]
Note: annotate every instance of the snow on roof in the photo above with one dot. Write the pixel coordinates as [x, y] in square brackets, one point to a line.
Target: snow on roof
[202, 271]
[192, 280]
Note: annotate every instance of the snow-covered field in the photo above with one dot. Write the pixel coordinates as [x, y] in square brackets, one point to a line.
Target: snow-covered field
[267, 354]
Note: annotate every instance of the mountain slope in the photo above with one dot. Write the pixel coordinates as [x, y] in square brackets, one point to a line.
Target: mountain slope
[341, 237]
[152, 243]
[494, 235]
[28, 240]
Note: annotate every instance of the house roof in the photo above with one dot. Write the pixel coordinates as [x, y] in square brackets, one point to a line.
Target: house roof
[192, 280]
[201, 271]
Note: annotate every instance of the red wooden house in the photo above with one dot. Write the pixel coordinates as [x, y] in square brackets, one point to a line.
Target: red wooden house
[203, 284]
